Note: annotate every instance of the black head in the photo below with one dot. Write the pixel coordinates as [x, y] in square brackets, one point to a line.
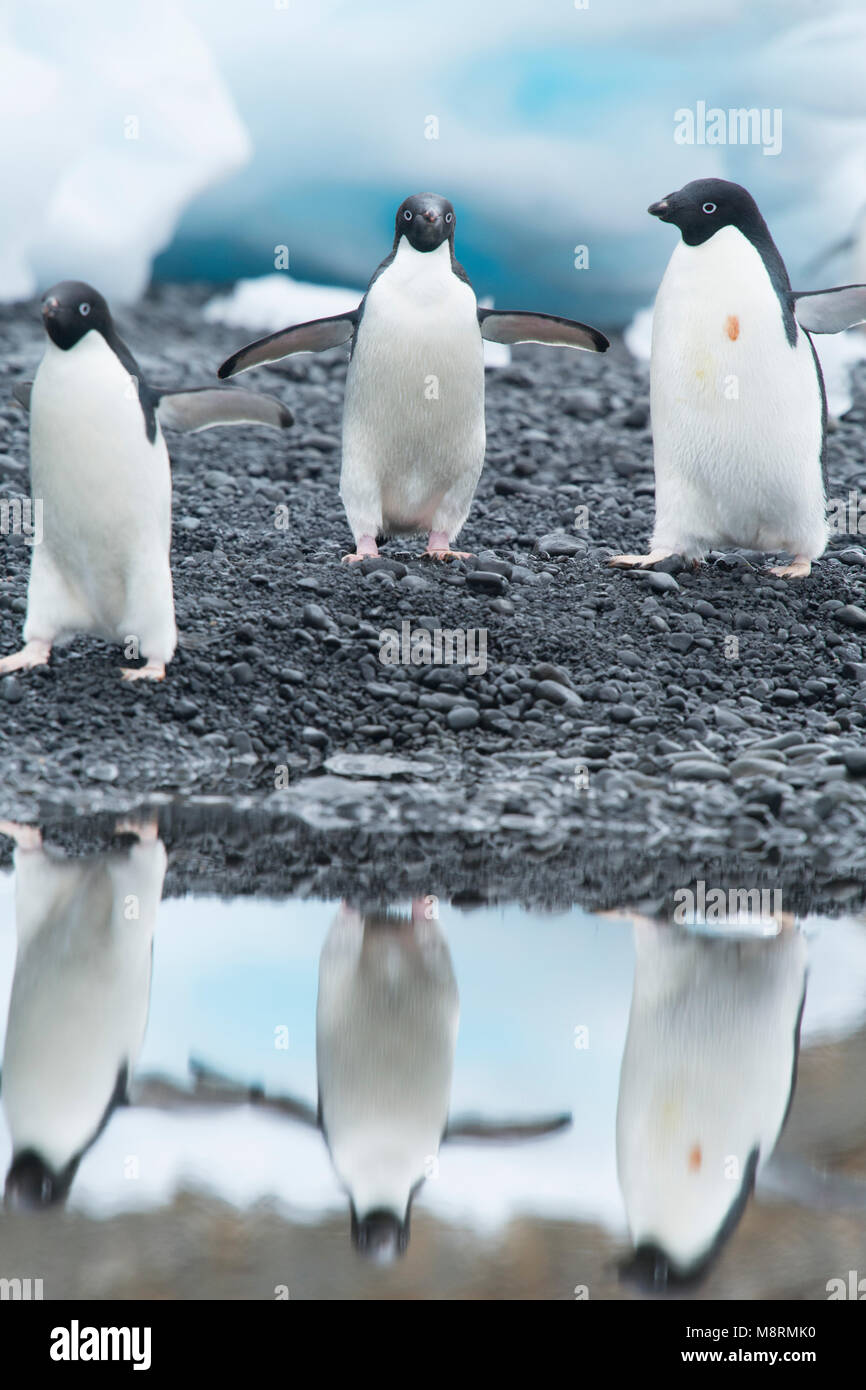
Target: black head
[703, 207]
[381, 1237]
[425, 220]
[31, 1185]
[71, 309]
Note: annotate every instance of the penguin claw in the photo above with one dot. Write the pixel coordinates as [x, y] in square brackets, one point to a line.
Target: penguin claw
[32, 654]
[153, 671]
[365, 549]
[800, 568]
[429, 554]
[643, 562]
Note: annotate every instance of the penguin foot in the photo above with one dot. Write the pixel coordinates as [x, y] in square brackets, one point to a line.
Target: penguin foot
[799, 569]
[146, 830]
[33, 653]
[153, 671]
[639, 561]
[26, 837]
[439, 549]
[365, 549]
[429, 554]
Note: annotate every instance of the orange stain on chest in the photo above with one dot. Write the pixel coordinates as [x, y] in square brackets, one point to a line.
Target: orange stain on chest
[732, 327]
[696, 1158]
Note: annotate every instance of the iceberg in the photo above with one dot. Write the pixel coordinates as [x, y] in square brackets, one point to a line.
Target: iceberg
[120, 118]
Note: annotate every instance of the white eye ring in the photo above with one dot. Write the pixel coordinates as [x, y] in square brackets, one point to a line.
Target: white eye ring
[408, 216]
[708, 208]
[84, 309]
[449, 217]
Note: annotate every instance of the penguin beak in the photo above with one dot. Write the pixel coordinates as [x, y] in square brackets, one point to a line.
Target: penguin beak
[431, 215]
[660, 209]
[50, 307]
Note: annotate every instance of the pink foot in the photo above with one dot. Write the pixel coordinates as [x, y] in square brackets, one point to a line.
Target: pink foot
[26, 837]
[33, 653]
[439, 549]
[366, 549]
[153, 671]
[146, 831]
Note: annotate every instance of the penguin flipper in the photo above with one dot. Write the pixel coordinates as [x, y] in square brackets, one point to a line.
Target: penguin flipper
[831, 311]
[316, 336]
[515, 326]
[207, 406]
[213, 1087]
[471, 1127]
[21, 391]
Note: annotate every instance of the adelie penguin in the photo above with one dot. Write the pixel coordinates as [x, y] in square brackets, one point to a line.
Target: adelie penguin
[736, 392]
[79, 1001]
[708, 1073]
[100, 468]
[413, 422]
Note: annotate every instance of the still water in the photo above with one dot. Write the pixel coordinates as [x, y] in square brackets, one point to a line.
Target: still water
[213, 1097]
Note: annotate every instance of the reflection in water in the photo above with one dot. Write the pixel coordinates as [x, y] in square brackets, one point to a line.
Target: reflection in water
[386, 1030]
[78, 1008]
[706, 1067]
[706, 1083]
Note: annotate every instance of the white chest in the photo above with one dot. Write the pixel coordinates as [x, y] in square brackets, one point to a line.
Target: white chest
[89, 450]
[419, 338]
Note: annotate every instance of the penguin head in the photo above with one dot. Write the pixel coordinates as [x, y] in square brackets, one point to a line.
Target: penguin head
[31, 1185]
[425, 220]
[703, 207]
[71, 309]
[381, 1236]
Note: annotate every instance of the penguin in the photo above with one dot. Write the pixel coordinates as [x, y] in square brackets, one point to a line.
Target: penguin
[79, 1002]
[413, 420]
[739, 414]
[386, 1030]
[706, 1083]
[100, 468]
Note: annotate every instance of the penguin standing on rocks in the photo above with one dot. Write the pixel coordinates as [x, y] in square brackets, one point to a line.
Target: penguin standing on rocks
[413, 423]
[737, 397]
[100, 472]
[79, 1002]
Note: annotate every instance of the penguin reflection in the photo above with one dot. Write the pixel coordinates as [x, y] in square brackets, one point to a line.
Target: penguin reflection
[707, 1079]
[386, 1031]
[79, 1001]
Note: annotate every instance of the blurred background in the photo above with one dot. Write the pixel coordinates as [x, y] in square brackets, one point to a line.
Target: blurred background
[189, 139]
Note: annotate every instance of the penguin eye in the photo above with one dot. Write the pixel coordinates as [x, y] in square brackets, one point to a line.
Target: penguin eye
[449, 217]
[84, 309]
[708, 208]
[407, 215]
